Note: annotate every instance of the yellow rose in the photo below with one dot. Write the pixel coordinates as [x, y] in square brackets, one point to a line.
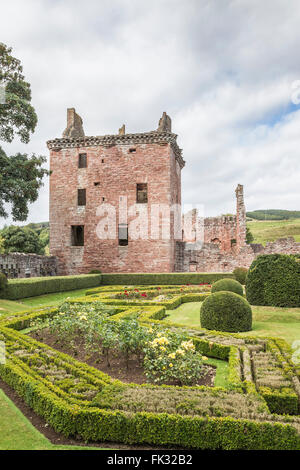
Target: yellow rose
[172, 355]
[171, 365]
[180, 351]
[162, 348]
[204, 358]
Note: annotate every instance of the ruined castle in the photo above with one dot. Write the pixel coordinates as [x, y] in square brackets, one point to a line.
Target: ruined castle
[93, 175]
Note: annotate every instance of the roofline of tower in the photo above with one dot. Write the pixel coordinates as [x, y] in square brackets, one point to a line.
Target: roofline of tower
[153, 137]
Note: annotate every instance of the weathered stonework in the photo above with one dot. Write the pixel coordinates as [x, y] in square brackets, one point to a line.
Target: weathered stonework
[116, 164]
[114, 168]
[15, 265]
[224, 245]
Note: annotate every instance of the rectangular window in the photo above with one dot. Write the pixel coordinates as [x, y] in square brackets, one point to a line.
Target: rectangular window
[77, 235]
[81, 197]
[123, 234]
[142, 193]
[82, 160]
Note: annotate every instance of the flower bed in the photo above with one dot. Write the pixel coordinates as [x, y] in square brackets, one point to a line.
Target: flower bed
[77, 399]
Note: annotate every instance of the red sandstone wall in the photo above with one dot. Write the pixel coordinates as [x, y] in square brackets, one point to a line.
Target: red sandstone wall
[221, 231]
[118, 175]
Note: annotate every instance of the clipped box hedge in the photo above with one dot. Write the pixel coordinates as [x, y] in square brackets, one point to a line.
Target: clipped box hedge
[32, 287]
[162, 278]
[75, 416]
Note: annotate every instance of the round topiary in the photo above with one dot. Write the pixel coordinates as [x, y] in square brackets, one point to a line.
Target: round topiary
[230, 285]
[226, 311]
[240, 275]
[274, 280]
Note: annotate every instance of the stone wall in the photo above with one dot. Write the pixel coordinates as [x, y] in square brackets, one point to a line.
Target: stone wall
[210, 258]
[15, 265]
[116, 164]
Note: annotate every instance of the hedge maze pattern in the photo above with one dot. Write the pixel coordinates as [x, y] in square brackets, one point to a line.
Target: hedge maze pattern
[259, 409]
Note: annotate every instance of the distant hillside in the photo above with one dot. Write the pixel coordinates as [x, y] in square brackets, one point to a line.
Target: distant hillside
[265, 231]
[273, 214]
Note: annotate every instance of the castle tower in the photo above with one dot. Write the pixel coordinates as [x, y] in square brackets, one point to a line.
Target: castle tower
[240, 217]
[93, 178]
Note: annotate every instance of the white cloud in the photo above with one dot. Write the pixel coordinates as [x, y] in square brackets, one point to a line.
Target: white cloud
[222, 70]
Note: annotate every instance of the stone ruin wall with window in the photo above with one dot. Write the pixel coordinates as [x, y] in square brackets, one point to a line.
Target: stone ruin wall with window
[15, 265]
[224, 246]
[145, 168]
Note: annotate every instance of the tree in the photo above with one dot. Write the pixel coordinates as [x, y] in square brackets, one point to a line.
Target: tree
[17, 115]
[1, 245]
[20, 175]
[249, 236]
[21, 240]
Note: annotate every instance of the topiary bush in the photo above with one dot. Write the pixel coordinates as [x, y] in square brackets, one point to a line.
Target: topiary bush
[240, 275]
[274, 280]
[230, 285]
[226, 311]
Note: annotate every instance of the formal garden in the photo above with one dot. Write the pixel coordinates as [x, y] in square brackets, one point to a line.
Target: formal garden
[187, 360]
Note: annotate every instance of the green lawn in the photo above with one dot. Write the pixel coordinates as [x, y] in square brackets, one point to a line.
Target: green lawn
[269, 230]
[17, 433]
[267, 321]
[9, 306]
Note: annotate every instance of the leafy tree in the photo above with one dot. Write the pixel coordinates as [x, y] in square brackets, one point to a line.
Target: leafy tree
[249, 236]
[17, 115]
[44, 237]
[21, 240]
[20, 175]
[20, 179]
[1, 245]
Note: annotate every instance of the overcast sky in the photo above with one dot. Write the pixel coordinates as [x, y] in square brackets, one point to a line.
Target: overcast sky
[223, 70]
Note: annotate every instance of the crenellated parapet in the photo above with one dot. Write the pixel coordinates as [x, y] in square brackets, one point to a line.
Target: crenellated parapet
[74, 137]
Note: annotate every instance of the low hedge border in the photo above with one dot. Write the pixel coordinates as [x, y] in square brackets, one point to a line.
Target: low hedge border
[156, 429]
[73, 417]
[162, 278]
[32, 287]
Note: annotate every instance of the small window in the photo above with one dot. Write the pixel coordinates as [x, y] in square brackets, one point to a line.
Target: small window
[142, 193]
[132, 150]
[123, 234]
[81, 197]
[233, 242]
[82, 160]
[77, 235]
[102, 161]
[97, 183]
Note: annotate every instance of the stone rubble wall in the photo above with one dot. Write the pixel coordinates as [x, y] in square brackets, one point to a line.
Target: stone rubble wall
[18, 265]
[210, 258]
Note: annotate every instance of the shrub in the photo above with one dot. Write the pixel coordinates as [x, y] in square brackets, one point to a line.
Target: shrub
[161, 278]
[240, 275]
[171, 356]
[23, 287]
[3, 282]
[226, 311]
[230, 285]
[95, 271]
[274, 280]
